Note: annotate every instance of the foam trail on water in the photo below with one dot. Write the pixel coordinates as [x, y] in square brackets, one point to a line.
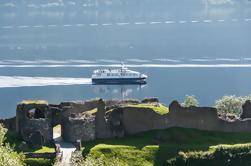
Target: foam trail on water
[44, 61]
[17, 62]
[51, 61]
[69, 62]
[108, 61]
[21, 81]
[138, 60]
[167, 60]
[228, 59]
[148, 65]
[247, 59]
[81, 61]
[202, 60]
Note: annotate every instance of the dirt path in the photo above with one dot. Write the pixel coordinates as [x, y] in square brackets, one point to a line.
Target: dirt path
[65, 147]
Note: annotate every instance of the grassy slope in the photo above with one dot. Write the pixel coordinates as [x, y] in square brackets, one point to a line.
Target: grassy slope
[155, 147]
[44, 149]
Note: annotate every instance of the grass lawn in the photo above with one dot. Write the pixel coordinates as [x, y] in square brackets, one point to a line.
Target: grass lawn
[44, 149]
[40, 161]
[158, 146]
[158, 108]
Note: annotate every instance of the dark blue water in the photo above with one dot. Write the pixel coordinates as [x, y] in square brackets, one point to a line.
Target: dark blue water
[48, 49]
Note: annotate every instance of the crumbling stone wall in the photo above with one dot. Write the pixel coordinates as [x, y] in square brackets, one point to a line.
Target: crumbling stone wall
[114, 118]
[246, 110]
[150, 100]
[205, 118]
[79, 128]
[103, 129]
[193, 117]
[34, 127]
[56, 111]
[78, 107]
[111, 103]
[9, 123]
[75, 123]
[131, 120]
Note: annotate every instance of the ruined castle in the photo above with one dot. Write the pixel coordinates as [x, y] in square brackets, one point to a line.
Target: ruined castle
[93, 119]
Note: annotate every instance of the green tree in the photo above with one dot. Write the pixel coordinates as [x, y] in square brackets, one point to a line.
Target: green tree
[190, 101]
[230, 105]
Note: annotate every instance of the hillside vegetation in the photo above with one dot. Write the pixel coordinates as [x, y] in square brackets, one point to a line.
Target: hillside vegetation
[15, 141]
[173, 146]
[8, 157]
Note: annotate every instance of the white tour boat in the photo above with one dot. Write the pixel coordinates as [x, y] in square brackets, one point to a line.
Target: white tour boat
[118, 76]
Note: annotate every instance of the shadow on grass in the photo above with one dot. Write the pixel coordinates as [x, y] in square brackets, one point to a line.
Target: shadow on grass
[171, 141]
[39, 162]
[15, 140]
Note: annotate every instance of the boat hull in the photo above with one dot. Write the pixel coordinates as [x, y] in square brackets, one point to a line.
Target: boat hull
[118, 81]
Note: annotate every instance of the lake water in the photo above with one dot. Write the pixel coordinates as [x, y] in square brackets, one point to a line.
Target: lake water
[48, 49]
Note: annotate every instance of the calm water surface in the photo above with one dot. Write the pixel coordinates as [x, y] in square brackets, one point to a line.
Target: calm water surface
[48, 49]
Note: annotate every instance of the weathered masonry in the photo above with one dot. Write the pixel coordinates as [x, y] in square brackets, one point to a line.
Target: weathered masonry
[91, 119]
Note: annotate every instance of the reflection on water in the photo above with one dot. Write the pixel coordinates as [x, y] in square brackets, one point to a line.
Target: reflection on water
[118, 91]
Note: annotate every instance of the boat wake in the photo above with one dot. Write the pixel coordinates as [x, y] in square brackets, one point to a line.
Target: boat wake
[45, 62]
[148, 65]
[138, 63]
[21, 81]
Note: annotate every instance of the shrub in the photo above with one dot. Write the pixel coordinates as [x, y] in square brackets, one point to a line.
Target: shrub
[3, 131]
[190, 101]
[230, 104]
[238, 154]
[7, 155]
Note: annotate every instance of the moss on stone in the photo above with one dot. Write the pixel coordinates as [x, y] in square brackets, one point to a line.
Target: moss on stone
[40, 102]
[91, 112]
[157, 107]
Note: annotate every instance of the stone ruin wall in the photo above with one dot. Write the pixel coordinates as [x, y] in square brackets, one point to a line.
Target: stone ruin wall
[75, 124]
[9, 123]
[136, 120]
[75, 129]
[69, 108]
[205, 118]
[122, 120]
[29, 127]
